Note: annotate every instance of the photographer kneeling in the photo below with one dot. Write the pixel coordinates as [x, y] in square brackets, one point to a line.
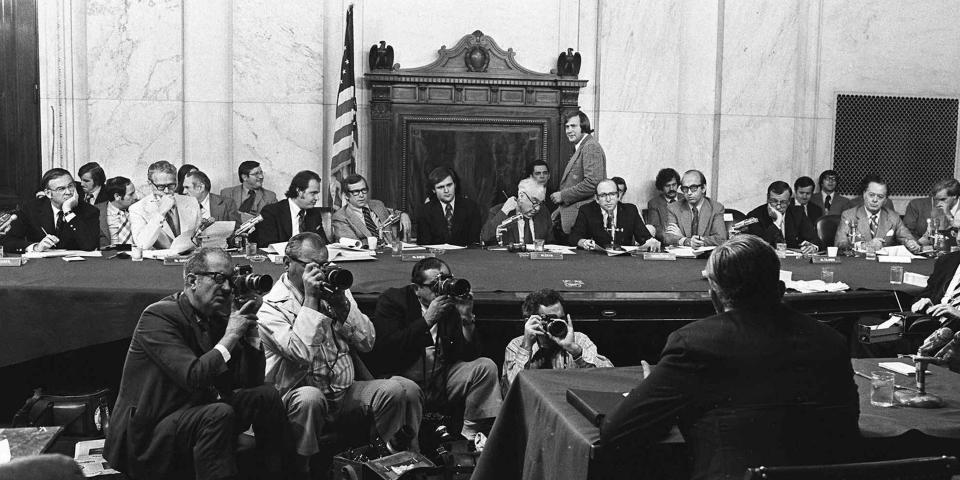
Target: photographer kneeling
[309, 322]
[426, 332]
[548, 340]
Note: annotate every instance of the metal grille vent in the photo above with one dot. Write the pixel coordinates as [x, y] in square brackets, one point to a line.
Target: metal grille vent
[910, 142]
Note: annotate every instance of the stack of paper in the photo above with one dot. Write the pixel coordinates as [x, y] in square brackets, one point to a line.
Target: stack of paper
[810, 286]
[688, 252]
[62, 253]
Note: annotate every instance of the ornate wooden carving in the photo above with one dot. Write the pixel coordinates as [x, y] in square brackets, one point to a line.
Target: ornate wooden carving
[474, 108]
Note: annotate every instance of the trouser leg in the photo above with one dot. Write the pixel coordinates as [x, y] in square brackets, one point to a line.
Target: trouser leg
[307, 411]
[475, 383]
[392, 403]
[207, 435]
[262, 407]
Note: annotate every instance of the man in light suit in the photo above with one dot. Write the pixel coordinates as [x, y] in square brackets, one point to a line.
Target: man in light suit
[941, 207]
[157, 219]
[535, 223]
[115, 214]
[667, 182]
[250, 196]
[827, 198]
[695, 220]
[878, 226]
[596, 219]
[586, 168]
[294, 214]
[361, 216]
[197, 185]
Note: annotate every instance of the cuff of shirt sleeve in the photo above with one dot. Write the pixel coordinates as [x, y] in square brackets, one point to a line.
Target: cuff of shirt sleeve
[223, 352]
[70, 216]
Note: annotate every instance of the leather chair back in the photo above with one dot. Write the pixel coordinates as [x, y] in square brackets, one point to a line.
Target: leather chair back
[827, 229]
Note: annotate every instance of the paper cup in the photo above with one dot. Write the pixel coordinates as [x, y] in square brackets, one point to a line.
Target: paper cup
[832, 251]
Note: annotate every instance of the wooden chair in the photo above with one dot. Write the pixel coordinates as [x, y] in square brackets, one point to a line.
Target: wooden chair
[827, 229]
[928, 468]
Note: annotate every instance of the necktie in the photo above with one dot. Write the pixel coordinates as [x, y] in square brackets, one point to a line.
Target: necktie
[88, 198]
[203, 211]
[302, 221]
[826, 203]
[874, 222]
[123, 233]
[247, 204]
[610, 228]
[60, 222]
[448, 215]
[370, 224]
[173, 220]
[528, 231]
[695, 225]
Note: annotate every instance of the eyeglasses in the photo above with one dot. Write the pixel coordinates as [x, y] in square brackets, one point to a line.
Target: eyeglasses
[608, 195]
[71, 187]
[217, 277]
[533, 201]
[166, 186]
[357, 193]
[778, 203]
[305, 262]
[690, 188]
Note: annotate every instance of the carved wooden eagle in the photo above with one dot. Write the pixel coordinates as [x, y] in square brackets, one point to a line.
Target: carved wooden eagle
[381, 57]
[568, 64]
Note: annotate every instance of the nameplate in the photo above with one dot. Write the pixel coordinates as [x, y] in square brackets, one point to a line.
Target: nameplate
[175, 260]
[12, 261]
[659, 256]
[546, 256]
[416, 257]
[915, 279]
[893, 259]
[825, 260]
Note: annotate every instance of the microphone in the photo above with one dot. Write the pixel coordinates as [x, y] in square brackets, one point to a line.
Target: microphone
[510, 219]
[247, 226]
[936, 342]
[745, 223]
[204, 224]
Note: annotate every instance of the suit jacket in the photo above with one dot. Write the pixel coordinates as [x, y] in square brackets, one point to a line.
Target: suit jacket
[712, 228]
[889, 227]
[261, 198]
[797, 228]
[36, 215]
[917, 213]
[657, 213]
[170, 367]
[542, 226]
[838, 203]
[350, 223]
[150, 229]
[432, 225]
[746, 389]
[939, 280]
[583, 172]
[814, 212]
[222, 209]
[100, 198]
[277, 226]
[589, 225]
[402, 334]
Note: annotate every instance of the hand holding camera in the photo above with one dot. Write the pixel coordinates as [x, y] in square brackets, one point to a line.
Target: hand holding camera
[531, 329]
[437, 309]
[243, 319]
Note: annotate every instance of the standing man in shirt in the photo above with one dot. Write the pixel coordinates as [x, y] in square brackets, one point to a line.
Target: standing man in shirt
[157, 219]
[695, 220]
[583, 172]
[827, 198]
[197, 185]
[448, 217]
[362, 216]
[250, 196]
[667, 182]
[115, 228]
[58, 219]
[294, 214]
[878, 226]
[802, 193]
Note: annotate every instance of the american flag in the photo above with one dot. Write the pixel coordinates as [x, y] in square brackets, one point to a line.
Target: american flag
[345, 143]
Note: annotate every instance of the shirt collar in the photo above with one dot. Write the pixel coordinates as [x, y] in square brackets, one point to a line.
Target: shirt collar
[205, 204]
[582, 139]
[55, 210]
[297, 296]
[294, 208]
[453, 203]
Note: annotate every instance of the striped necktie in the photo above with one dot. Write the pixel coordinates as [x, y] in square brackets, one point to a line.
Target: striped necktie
[370, 224]
[874, 223]
[123, 233]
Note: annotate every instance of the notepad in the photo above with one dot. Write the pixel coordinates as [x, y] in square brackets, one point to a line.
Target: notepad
[899, 367]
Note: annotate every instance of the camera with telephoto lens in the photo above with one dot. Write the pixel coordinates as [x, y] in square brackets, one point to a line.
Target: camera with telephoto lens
[336, 278]
[245, 283]
[447, 284]
[554, 325]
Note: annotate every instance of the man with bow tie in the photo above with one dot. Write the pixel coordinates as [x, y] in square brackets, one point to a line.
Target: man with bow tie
[159, 218]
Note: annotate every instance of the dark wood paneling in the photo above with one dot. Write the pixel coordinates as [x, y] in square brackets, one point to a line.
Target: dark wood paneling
[19, 101]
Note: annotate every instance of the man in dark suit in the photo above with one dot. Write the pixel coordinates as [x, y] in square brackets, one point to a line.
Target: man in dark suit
[222, 209]
[941, 297]
[57, 220]
[431, 339]
[802, 193]
[294, 214]
[667, 182]
[827, 198]
[597, 219]
[942, 208]
[757, 384]
[448, 217]
[193, 381]
[92, 178]
[250, 196]
[780, 222]
[694, 220]
[533, 224]
[583, 172]
[115, 228]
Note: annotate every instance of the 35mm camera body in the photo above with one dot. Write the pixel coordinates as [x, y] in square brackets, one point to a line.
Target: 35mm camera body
[554, 325]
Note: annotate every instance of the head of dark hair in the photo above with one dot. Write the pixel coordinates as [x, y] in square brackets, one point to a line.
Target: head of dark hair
[528, 170]
[95, 171]
[245, 168]
[620, 181]
[300, 182]
[828, 173]
[200, 260]
[745, 273]
[951, 185]
[182, 173]
[803, 182]
[52, 174]
[871, 178]
[201, 177]
[350, 180]
[664, 176]
[779, 187]
[438, 175]
[116, 186]
[295, 245]
[584, 121]
[541, 298]
[416, 275]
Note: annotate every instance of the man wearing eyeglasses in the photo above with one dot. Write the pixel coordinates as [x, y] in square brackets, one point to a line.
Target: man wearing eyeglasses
[311, 332]
[694, 220]
[827, 198]
[596, 221]
[362, 216]
[157, 219]
[878, 226]
[778, 221]
[250, 196]
[56, 220]
[193, 382]
[521, 219]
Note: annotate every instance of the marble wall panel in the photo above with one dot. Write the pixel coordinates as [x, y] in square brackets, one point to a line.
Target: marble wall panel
[697, 74]
[636, 146]
[278, 51]
[284, 138]
[694, 143]
[126, 136]
[134, 50]
[207, 141]
[754, 151]
[207, 51]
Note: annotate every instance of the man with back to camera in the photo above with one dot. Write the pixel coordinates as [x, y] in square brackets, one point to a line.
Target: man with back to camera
[310, 331]
[695, 220]
[780, 222]
[157, 219]
[827, 198]
[294, 214]
[539, 348]
[941, 208]
[533, 225]
[449, 217]
[115, 214]
[430, 337]
[757, 384]
[250, 196]
[802, 193]
[92, 178]
[362, 216]
[596, 220]
[667, 182]
[877, 226]
[58, 219]
[586, 167]
[222, 209]
[193, 381]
